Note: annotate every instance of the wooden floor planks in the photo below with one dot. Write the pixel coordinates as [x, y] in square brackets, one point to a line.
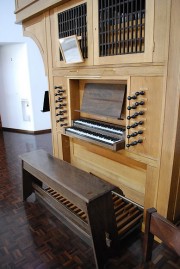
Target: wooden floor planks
[32, 238]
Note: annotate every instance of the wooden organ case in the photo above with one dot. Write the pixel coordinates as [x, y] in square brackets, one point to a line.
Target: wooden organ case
[128, 46]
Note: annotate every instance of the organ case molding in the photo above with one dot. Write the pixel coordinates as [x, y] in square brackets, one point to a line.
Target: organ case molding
[36, 29]
[25, 9]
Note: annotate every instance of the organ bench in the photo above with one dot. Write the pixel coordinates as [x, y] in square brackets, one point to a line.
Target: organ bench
[91, 207]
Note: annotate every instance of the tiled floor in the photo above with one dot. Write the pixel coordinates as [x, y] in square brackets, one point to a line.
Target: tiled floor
[32, 238]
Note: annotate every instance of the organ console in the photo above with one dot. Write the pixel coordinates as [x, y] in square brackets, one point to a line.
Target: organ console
[116, 114]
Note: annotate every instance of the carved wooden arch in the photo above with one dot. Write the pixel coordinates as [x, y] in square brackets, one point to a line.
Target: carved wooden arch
[36, 30]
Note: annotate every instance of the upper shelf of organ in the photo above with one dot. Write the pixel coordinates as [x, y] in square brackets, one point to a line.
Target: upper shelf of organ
[109, 32]
[25, 9]
[117, 32]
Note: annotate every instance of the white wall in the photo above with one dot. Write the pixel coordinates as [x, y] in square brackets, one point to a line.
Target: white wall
[15, 86]
[22, 75]
[38, 84]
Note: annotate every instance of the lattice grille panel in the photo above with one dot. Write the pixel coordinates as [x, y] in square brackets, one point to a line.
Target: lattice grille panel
[121, 27]
[74, 22]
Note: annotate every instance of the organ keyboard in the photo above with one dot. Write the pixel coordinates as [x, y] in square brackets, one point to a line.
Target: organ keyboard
[104, 134]
[102, 100]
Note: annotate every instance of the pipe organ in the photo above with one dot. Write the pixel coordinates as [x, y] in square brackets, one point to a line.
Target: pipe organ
[116, 114]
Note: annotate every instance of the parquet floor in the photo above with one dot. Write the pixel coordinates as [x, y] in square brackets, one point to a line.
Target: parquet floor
[32, 238]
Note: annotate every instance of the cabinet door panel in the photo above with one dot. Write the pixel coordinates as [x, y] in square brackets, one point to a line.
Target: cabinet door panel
[123, 31]
[73, 18]
[146, 126]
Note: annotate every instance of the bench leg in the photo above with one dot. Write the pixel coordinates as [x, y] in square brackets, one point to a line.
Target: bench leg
[27, 180]
[103, 228]
[148, 238]
[26, 184]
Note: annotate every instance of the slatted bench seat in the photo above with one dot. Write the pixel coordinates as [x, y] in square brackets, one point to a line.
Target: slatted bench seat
[82, 200]
[90, 206]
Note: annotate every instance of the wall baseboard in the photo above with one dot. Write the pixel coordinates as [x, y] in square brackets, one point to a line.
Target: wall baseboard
[26, 131]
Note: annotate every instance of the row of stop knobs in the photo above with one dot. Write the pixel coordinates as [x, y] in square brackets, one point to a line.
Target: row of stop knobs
[135, 115]
[61, 106]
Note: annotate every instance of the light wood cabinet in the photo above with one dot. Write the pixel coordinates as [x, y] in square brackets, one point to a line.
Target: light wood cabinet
[138, 47]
